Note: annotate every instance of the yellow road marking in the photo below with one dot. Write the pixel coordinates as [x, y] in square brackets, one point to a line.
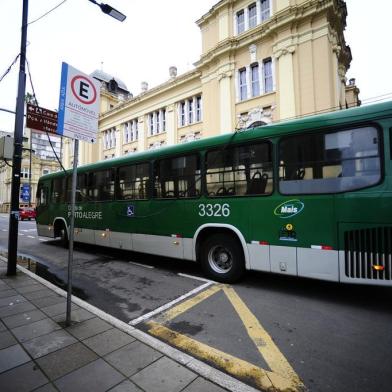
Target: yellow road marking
[184, 306]
[267, 348]
[282, 376]
[232, 365]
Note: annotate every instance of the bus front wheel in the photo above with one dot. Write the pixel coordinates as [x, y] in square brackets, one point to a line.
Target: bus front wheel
[222, 258]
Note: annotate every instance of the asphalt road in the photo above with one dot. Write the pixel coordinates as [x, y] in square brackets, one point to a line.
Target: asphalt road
[333, 337]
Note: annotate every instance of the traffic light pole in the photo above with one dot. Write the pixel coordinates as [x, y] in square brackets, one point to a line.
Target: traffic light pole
[18, 144]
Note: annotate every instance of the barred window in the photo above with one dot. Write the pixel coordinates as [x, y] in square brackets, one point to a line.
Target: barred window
[133, 182]
[239, 171]
[177, 177]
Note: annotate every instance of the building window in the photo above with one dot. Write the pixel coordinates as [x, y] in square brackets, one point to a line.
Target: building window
[109, 138]
[190, 111]
[265, 10]
[254, 69]
[252, 15]
[198, 109]
[45, 171]
[242, 84]
[157, 122]
[240, 22]
[24, 172]
[267, 74]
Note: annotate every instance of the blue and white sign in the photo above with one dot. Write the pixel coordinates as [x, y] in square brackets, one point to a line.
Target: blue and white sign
[130, 210]
[79, 105]
[25, 192]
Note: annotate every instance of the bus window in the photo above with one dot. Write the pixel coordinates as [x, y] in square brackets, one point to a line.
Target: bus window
[177, 177]
[58, 188]
[133, 182]
[329, 162]
[42, 195]
[101, 185]
[241, 170]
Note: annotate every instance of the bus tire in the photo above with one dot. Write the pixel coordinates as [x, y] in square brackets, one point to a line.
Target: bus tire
[64, 236]
[222, 258]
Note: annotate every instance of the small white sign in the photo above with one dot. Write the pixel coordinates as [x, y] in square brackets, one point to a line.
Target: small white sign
[79, 105]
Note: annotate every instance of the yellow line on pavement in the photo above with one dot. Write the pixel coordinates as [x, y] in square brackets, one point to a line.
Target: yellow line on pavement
[232, 365]
[267, 348]
[183, 307]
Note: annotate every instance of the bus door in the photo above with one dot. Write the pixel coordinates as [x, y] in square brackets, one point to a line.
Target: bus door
[304, 211]
[43, 218]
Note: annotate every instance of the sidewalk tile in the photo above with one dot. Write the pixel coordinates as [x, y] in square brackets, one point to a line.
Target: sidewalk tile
[88, 328]
[6, 339]
[9, 301]
[46, 344]
[11, 357]
[132, 358]
[2, 327]
[108, 341]
[97, 376]
[77, 315]
[125, 386]
[66, 360]
[31, 288]
[33, 330]
[15, 309]
[20, 319]
[8, 293]
[202, 385]
[164, 375]
[56, 309]
[41, 293]
[21, 280]
[46, 388]
[48, 300]
[4, 286]
[22, 379]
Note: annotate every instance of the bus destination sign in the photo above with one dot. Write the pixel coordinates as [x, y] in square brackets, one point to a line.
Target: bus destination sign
[41, 119]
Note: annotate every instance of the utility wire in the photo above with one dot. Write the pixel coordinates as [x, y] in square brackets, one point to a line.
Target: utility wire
[9, 68]
[46, 13]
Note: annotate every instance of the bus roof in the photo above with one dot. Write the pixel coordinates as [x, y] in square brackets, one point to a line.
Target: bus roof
[313, 122]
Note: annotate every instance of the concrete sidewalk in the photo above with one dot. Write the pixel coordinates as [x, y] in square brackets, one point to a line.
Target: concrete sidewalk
[96, 353]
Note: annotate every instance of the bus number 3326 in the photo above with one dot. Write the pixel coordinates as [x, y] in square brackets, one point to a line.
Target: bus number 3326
[214, 209]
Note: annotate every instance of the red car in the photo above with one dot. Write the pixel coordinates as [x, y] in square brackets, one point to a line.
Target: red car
[27, 213]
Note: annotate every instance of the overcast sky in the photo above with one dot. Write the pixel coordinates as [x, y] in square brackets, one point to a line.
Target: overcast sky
[155, 35]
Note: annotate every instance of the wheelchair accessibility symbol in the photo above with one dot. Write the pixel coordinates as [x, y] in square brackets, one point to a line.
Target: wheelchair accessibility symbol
[131, 211]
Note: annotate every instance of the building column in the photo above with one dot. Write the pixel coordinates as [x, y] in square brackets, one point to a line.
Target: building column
[141, 142]
[226, 102]
[170, 125]
[284, 57]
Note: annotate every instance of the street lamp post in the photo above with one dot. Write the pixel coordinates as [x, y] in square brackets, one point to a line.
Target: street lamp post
[18, 134]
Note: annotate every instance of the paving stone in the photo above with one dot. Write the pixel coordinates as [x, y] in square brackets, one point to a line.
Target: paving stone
[108, 341]
[33, 330]
[6, 339]
[24, 378]
[8, 301]
[56, 309]
[11, 357]
[97, 376]
[77, 315]
[4, 286]
[8, 293]
[31, 288]
[48, 300]
[46, 388]
[24, 318]
[164, 375]
[9, 310]
[21, 280]
[2, 327]
[88, 328]
[48, 343]
[133, 358]
[125, 386]
[41, 293]
[66, 360]
[202, 385]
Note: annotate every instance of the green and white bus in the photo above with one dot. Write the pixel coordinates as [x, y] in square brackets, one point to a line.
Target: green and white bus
[310, 197]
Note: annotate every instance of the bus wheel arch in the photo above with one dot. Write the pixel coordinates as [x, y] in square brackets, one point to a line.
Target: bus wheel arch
[221, 251]
[61, 230]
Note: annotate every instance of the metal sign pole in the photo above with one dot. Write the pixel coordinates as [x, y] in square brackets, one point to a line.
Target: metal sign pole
[71, 231]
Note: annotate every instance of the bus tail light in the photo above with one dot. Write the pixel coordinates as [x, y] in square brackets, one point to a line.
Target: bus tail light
[260, 242]
[176, 236]
[378, 267]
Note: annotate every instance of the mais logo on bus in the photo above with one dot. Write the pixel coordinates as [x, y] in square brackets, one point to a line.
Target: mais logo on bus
[289, 208]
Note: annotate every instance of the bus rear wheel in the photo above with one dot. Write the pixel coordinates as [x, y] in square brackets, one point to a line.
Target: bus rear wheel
[64, 236]
[222, 258]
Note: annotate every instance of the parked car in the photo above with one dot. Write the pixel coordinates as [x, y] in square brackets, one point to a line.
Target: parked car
[27, 213]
